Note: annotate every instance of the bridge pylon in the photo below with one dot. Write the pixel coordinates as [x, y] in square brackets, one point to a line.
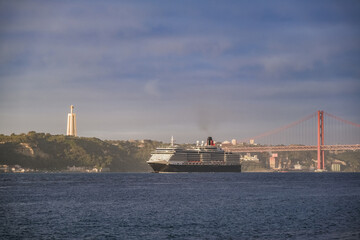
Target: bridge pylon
[320, 145]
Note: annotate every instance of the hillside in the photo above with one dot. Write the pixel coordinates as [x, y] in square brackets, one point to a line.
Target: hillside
[57, 152]
[46, 152]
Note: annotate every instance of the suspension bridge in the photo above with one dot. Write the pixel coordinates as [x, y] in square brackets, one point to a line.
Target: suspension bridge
[306, 134]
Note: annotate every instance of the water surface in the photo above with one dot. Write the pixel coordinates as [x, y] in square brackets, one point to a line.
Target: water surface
[180, 206]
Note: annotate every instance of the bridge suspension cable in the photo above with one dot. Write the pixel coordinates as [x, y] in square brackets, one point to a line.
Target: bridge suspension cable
[304, 131]
[342, 120]
[271, 134]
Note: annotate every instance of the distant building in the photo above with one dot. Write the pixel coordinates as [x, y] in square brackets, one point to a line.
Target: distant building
[76, 169]
[71, 123]
[105, 169]
[298, 166]
[14, 169]
[248, 157]
[338, 165]
[252, 141]
[94, 170]
[335, 167]
[272, 162]
[4, 168]
[233, 142]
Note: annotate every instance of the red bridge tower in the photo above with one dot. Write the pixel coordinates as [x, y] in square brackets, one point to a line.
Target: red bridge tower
[320, 151]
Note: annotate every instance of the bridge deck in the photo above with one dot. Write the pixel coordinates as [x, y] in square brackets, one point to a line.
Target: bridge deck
[290, 148]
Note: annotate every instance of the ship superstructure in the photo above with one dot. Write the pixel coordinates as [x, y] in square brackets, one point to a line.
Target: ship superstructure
[202, 158]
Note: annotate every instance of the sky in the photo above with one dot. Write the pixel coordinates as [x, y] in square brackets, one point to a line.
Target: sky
[188, 69]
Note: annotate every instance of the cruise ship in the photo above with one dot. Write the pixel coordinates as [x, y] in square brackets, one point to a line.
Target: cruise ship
[202, 158]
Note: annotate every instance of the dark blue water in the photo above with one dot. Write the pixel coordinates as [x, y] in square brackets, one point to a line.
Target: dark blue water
[180, 206]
